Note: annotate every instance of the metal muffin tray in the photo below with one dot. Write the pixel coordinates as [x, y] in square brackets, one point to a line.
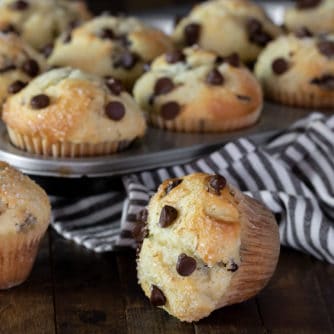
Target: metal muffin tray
[159, 148]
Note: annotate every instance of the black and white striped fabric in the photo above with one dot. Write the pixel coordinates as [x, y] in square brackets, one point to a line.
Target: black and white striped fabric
[293, 174]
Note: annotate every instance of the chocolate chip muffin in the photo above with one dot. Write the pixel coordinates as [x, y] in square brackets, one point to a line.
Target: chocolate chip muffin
[317, 16]
[69, 113]
[19, 63]
[25, 214]
[298, 71]
[38, 22]
[107, 45]
[205, 245]
[197, 91]
[227, 26]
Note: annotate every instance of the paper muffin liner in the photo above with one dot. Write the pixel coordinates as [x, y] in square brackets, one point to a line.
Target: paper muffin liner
[204, 125]
[302, 99]
[43, 146]
[17, 256]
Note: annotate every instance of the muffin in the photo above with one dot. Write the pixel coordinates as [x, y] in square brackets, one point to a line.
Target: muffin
[38, 22]
[227, 26]
[198, 91]
[25, 214]
[298, 71]
[205, 245]
[69, 113]
[315, 15]
[107, 45]
[19, 63]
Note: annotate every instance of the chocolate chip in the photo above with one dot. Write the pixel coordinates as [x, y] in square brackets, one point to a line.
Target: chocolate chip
[115, 86]
[7, 68]
[175, 56]
[326, 48]
[9, 29]
[192, 33]
[40, 101]
[172, 184]
[140, 232]
[115, 110]
[124, 40]
[280, 66]
[215, 78]
[170, 110]
[19, 5]
[168, 216]
[127, 60]
[67, 37]
[233, 59]
[256, 34]
[151, 100]
[185, 265]
[243, 98]
[30, 67]
[157, 297]
[253, 26]
[216, 184]
[325, 82]
[107, 33]
[142, 216]
[306, 4]
[16, 86]
[73, 24]
[163, 86]
[232, 267]
[303, 32]
[47, 50]
[27, 224]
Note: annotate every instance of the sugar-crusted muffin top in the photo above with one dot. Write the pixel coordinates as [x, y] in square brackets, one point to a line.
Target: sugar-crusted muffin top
[69, 105]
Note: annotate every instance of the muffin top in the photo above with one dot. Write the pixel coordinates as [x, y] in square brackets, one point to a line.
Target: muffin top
[299, 64]
[19, 63]
[38, 21]
[227, 26]
[195, 85]
[68, 105]
[315, 15]
[119, 46]
[24, 206]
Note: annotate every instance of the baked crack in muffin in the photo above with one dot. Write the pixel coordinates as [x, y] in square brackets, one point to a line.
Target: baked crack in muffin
[298, 70]
[227, 26]
[205, 245]
[108, 45]
[25, 214]
[68, 113]
[197, 91]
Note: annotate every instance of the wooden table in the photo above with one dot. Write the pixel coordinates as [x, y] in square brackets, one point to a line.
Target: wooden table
[73, 291]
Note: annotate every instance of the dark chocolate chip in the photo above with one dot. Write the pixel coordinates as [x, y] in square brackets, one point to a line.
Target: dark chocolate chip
[168, 216]
[163, 86]
[306, 4]
[142, 216]
[243, 98]
[157, 297]
[172, 184]
[233, 59]
[9, 29]
[19, 5]
[253, 26]
[216, 184]
[215, 78]
[16, 86]
[127, 60]
[115, 86]
[107, 33]
[30, 67]
[73, 24]
[115, 110]
[175, 56]
[256, 34]
[192, 33]
[303, 32]
[219, 60]
[170, 110]
[7, 68]
[325, 82]
[151, 100]
[47, 50]
[140, 232]
[67, 37]
[326, 48]
[232, 266]
[280, 66]
[185, 265]
[40, 101]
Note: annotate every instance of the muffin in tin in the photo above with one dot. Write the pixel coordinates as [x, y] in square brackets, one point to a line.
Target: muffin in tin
[317, 16]
[108, 45]
[68, 113]
[197, 91]
[227, 26]
[25, 214]
[19, 63]
[39, 22]
[205, 245]
[298, 70]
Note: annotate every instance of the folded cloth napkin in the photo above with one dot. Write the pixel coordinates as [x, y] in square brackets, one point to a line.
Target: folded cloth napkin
[292, 174]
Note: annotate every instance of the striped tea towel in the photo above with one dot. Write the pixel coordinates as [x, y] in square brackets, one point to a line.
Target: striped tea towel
[292, 174]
